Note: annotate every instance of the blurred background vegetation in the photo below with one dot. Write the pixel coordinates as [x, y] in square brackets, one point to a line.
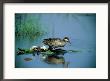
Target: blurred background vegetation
[27, 25]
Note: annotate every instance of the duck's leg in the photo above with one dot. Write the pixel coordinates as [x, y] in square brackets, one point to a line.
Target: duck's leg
[38, 52]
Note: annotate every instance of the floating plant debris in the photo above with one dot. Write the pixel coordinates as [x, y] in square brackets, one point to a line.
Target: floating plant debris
[47, 52]
[28, 59]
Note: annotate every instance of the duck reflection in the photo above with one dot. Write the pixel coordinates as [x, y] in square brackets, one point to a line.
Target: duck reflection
[56, 60]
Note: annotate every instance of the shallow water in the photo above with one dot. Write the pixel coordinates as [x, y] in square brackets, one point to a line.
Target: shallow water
[80, 28]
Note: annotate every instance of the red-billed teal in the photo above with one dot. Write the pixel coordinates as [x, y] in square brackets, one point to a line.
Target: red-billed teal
[56, 42]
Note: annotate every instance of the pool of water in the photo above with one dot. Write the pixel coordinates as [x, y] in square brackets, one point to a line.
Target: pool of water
[81, 30]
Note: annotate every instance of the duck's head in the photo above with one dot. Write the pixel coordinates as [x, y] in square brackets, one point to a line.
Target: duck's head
[66, 39]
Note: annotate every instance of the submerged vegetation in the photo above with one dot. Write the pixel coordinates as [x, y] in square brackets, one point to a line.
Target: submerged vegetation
[28, 26]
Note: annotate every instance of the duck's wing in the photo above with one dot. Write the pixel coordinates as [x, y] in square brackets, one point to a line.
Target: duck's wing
[47, 41]
[51, 39]
[55, 38]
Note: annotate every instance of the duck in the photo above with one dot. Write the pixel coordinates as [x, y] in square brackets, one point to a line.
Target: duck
[38, 48]
[54, 43]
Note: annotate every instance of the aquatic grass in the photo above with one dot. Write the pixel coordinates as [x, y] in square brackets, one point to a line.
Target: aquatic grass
[26, 26]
